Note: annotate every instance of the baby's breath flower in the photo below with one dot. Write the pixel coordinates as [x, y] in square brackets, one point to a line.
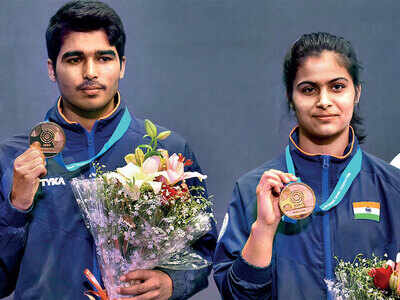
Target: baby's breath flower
[353, 281]
[138, 228]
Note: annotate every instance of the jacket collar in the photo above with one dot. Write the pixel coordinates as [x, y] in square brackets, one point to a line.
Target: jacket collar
[349, 152]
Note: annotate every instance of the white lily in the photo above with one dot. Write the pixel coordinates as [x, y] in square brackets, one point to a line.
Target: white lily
[144, 174]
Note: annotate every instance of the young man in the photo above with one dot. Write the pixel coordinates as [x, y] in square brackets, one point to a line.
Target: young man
[44, 244]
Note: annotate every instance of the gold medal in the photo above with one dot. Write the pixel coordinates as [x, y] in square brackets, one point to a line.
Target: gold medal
[297, 200]
[50, 136]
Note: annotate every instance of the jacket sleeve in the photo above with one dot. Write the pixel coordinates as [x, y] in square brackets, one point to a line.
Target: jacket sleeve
[235, 278]
[12, 235]
[189, 282]
[9, 215]
[12, 241]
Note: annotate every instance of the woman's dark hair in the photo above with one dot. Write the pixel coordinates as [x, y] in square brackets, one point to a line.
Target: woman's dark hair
[312, 45]
[84, 16]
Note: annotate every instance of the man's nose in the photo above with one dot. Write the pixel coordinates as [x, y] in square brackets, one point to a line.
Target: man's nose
[90, 70]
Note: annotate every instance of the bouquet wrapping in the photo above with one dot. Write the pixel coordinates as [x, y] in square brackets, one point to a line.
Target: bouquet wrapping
[144, 215]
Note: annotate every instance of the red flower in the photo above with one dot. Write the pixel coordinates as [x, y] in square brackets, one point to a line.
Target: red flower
[169, 194]
[381, 276]
[188, 162]
[182, 159]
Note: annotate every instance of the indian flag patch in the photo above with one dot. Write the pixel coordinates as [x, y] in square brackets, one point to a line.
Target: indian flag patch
[367, 210]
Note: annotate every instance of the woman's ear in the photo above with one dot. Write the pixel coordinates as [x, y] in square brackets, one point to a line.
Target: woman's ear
[291, 105]
[358, 94]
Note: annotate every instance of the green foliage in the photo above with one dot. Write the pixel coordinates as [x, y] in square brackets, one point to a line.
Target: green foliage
[163, 135]
[150, 149]
[151, 129]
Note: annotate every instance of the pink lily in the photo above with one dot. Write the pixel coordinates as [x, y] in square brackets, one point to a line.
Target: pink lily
[175, 171]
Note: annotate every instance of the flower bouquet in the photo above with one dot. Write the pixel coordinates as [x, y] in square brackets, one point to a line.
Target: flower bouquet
[366, 278]
[144, 215]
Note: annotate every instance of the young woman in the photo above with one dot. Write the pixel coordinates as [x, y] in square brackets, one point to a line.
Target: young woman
[261, 255]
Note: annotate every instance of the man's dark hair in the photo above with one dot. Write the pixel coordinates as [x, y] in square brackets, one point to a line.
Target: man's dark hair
[312, 45]
[84, 16]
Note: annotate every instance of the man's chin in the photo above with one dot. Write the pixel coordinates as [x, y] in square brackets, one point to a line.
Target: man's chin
[97, 109]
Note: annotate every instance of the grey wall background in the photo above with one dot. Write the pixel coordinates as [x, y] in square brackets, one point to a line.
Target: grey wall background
[211, 70]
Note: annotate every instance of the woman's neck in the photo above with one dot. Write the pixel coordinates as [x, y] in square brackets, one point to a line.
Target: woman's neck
[332, 145]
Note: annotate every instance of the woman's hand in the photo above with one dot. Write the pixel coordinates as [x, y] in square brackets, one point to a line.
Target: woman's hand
[258, 248]
[268, 191]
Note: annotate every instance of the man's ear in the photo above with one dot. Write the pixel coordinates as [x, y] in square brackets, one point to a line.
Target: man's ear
[51, 70]
[122, 70]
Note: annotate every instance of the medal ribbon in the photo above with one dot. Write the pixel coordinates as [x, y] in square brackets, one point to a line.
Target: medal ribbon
[99, 291]
[122, 127]
[345, 179]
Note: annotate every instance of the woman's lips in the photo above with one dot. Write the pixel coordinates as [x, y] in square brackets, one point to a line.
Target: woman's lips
[325, 117]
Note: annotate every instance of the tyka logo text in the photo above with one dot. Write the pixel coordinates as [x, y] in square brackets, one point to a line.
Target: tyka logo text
[52, 181]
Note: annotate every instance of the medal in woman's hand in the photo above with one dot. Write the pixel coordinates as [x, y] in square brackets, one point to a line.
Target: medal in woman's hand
[297, 200]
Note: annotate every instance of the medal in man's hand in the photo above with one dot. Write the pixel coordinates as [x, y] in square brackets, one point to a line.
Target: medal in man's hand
[50, 136]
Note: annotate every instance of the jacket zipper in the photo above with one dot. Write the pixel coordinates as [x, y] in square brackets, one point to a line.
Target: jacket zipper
[326, 222]
[91, 153]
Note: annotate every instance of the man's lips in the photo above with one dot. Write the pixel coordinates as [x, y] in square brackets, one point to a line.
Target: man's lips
[90, 86]
[91, 90]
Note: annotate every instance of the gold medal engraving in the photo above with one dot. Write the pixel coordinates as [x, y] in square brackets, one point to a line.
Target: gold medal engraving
[297, 200]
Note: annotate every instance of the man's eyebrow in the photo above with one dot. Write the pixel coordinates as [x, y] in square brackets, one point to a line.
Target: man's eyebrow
[72, 53]
[106, 52]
